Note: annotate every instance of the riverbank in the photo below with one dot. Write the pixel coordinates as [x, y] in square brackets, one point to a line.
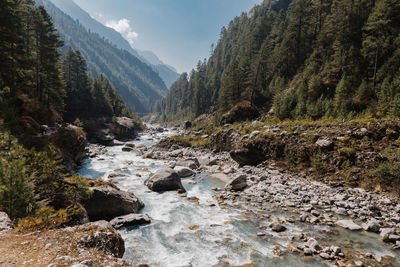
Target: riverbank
[248, 215]
[272, 187]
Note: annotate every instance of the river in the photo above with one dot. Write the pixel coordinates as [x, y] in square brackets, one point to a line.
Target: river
[193, 230]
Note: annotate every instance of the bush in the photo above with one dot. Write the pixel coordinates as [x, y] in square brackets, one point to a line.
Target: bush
[17, 192]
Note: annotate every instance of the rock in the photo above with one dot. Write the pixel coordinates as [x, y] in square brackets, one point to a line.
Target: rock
[325, 256]
[127, 149]
[70, 143]
[313, 245]
[187, 125]
[5, 222]
[130, 220]
[242, 111]
[324, 142]
[247, 156]
[124, 128]
[386, 233]
[103, 137]
[308, 252]
[359, 263]
[237, 184]
[183, 171]
[103, 238]
[108, 202]
[189, 163]
[278, 228]
[261, 234]
[372, 226]
[254, 134]
[164, 180]
[349, 224]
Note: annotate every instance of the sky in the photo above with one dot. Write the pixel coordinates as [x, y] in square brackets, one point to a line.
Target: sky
[179, 32]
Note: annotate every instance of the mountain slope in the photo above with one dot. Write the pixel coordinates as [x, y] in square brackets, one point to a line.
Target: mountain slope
[167, 73]
[136, 81]
[300, 59]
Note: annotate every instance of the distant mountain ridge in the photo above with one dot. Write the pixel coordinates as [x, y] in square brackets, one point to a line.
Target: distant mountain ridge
[138, 84]
[166, 72]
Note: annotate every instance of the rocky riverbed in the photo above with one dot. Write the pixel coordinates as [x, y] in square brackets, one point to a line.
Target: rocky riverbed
[372, 218]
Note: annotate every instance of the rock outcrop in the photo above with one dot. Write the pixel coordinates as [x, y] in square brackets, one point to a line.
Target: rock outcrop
[102, 236]
[124, 128]
[164, 180]
[5, 222]
[130, 220]
[92, 244]
[105, 130]
[247, 156]
[242, 111]
[108, 202]
[70, 142]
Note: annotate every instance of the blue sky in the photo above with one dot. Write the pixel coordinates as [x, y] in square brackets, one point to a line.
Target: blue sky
[179, 32]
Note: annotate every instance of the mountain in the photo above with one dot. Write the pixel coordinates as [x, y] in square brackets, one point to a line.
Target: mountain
[299, 59]
[167, 73]
[138, 84]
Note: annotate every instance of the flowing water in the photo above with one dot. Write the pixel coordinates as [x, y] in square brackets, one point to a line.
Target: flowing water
[193, 230]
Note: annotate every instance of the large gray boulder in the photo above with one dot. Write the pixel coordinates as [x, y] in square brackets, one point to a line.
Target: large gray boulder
[5, 222]
[237, 184]
[164, 180]
[108, 202]
[130, 220]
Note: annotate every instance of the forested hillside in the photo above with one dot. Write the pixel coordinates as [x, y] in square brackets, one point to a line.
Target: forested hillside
[167, 73]
[299, 59]
[40, 91]
[138, 84]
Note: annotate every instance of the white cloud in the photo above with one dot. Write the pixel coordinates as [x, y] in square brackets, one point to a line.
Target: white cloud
[123, 26]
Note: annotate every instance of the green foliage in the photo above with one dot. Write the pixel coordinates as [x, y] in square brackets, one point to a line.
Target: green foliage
[308, 59]
[47, 218]
[16, 182]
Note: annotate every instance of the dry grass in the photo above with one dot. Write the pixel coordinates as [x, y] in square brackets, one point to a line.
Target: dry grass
[57, 247]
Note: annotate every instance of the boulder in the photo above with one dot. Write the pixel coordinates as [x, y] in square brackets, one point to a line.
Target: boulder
[102, 236]
[187, 125]
[108, 202]
[70, 142]
[183, 171]
[103, 137]
[247, 156]
[130, 220]
[127, 149]
[372, 226]
[349, 224]
[324, 143]
[164, 180]
[189, 163]
[5, 222]
[237, 184]
[386, 233]
[124, 128]
[242, 111]
[313, 245]
[278, 228]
